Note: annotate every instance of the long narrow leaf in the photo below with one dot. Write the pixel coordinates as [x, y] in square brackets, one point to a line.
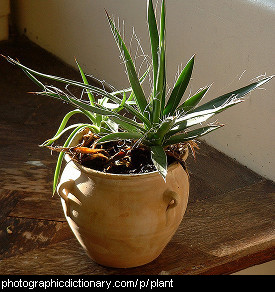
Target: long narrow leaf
[90, 95]
[120, 136]
[189, 123]
[110, 126]
[237, 94]
[61, 154]
[196, 117]
[141, 80]
[162, 59]
[97, 110]
[206, 111]
[132, 95]
[124, 122]
[105, 112]
[121, 106]
[57, 136]
[164, 128]
[192, 102]
[191, 135]
[82, 85]
[62, 126]
[159, 95]
[159, 159]
[132, 75]
[125, 125]
[179, 88]
[41, 85]
[154, 37]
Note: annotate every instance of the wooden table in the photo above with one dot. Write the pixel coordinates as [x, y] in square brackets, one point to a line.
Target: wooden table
[228, 225]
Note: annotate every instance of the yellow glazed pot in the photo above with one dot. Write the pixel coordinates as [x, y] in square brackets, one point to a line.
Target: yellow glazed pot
[123, 220]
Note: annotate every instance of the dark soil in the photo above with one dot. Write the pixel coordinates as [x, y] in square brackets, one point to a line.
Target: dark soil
[134, 160]
[119, 157]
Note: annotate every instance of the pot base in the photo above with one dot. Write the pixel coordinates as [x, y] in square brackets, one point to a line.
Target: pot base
[121, 252]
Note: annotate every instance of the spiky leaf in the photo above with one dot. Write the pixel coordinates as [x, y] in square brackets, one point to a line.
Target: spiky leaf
[154, 37]
[234, 95]
[85, 81]
[191, 135]
[120, 136]
[159, 159]
[132, 75]
[159, 94]
[179, 88]
[192, 102]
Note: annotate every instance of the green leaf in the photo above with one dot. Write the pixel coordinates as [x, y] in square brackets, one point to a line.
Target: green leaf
[105, 112]
[159, 159]
[58, 135]
[111, 125]
[164, 127]
[90, 95]
[41, 85]
[121, 106]
[62, 126]
[123, 121]
[192, 102]
[131, 71]
[234, 95]
[81, 85]
[179, 88]
[125, 125]
[162, 59]
[180, 138]
[141, 80]
[35, 80]
[159, 95]
[62, 154]
[154, 38]
[206, 111]
[197, 117]
[120, 136]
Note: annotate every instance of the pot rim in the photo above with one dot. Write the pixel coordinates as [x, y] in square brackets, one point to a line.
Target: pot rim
[91, 171]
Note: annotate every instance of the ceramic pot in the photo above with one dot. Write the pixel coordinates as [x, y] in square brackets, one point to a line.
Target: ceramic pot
[123, 220]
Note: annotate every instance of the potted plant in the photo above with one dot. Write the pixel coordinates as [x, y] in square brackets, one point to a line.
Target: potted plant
[125, 187]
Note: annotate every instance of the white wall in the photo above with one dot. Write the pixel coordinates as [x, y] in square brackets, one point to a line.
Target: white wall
[229, 37]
